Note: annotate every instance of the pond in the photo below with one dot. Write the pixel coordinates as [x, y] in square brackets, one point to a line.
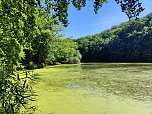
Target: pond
[95, 88]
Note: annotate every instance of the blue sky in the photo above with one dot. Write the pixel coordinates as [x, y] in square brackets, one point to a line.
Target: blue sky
[86, 22]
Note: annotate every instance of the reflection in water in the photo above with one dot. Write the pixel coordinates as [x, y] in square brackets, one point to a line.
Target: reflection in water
[105, 88]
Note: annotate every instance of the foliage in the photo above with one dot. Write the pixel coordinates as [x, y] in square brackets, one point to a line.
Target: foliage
[59, 8]
[48, 50]
[47, 47]
[132, 8]
[16, 32]
[15, 93]
[128, 42]
[64, 51]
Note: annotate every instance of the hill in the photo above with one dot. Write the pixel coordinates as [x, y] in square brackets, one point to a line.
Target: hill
[128, 42]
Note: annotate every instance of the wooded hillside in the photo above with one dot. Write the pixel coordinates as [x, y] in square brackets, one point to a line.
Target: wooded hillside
[128, 42]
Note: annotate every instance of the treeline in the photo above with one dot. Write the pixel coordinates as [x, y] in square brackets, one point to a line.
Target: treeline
[48, 50]
[128, 42]
[48, 47]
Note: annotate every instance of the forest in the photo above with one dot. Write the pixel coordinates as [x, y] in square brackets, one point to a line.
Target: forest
[128, 42]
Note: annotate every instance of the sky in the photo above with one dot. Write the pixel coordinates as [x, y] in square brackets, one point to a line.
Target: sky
[86, 22]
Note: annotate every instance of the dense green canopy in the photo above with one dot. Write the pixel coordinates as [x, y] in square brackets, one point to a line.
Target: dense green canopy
[128, 42]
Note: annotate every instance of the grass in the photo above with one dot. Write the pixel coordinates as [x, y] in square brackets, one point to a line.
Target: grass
[92, 88]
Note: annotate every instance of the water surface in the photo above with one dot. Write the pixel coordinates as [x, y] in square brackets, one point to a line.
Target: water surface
[95, 88]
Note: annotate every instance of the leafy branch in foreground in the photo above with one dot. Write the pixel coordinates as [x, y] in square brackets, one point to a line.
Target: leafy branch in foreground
[15, 93]
[59, 8]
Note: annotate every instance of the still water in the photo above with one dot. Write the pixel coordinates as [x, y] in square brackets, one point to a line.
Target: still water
[95, 88]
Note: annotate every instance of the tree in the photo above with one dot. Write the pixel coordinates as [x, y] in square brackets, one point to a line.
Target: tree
[17, 27]
[48, 46]
[64, 51]
[37, 55]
